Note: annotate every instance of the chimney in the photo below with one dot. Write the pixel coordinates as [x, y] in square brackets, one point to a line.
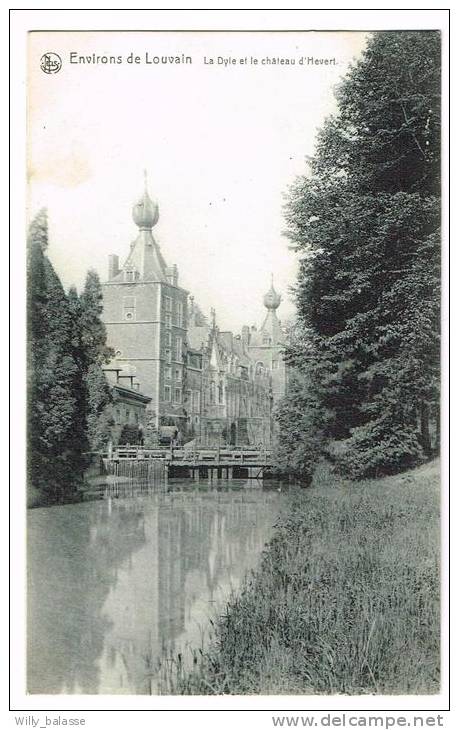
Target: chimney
[172, 275]
[113, 266]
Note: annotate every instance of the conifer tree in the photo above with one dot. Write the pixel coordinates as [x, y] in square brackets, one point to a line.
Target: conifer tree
[54, 466]
[93, 353]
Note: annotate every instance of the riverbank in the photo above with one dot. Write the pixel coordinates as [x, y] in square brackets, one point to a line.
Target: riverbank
[346, 598]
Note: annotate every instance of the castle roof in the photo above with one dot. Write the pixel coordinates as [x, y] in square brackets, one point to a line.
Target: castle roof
[271, 328]
[145, 257]
[145, 212]
[272, 299]
[198, 328]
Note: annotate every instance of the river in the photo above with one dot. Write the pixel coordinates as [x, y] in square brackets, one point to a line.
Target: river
[116, 584]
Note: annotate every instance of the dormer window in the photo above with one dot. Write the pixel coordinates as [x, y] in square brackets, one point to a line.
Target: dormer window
[129, 275]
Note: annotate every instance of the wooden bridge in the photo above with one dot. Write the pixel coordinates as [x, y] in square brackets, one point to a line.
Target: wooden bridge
[224, 462]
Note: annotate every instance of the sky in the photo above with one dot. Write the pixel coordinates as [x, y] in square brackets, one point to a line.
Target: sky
[221, 144]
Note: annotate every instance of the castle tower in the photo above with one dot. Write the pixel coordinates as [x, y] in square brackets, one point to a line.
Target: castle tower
[271, 327]
[266, 345]
[145, 316]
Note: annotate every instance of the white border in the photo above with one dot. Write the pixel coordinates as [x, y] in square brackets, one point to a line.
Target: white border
[21, 22]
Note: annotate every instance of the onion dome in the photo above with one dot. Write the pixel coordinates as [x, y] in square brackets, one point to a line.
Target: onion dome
[145, 212]
[272, 299]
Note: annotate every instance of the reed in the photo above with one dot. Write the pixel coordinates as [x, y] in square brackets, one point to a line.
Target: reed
[346, 598]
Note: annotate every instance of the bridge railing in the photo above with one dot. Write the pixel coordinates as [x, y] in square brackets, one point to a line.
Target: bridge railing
[234, 454]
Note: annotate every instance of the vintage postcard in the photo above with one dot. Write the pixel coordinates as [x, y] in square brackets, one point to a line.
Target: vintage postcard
[233, 364]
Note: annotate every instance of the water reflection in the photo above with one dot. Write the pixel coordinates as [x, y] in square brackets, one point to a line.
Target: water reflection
[113, 582]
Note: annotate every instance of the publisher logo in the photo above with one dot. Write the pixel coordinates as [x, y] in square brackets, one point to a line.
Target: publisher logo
[50, 63]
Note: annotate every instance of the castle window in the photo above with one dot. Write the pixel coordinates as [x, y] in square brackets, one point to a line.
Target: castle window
[168, 304]
[167, 352]
[196, 401]
[179, 314]
[168, 339]
[177, 395]
[167, 393]
[129, 276]
[168, 372]
[178, 373]
[243, 372]
[178, 349]
[194, 360]
[275, 364]
[168, 319]
[129, 308]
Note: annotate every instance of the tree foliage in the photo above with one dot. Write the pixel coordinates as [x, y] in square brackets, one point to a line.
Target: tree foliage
[93, 353]
[366, 224]
[53, 450]
[67, 390]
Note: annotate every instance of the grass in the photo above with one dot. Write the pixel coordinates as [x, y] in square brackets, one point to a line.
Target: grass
[346, 598]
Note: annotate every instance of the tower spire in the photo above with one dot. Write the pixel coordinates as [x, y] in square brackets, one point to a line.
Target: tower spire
[145, 212]
[145, 255]
[271, 324]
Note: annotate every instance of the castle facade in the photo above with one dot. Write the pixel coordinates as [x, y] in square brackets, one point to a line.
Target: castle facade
[205, 384]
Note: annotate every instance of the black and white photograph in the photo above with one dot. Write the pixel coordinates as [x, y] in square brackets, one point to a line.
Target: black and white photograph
[233, 254]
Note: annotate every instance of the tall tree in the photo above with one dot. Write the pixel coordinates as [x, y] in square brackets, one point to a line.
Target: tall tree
[93, 332]
[300, 416]
[366, 222]
[93, 352]
[54, 467]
